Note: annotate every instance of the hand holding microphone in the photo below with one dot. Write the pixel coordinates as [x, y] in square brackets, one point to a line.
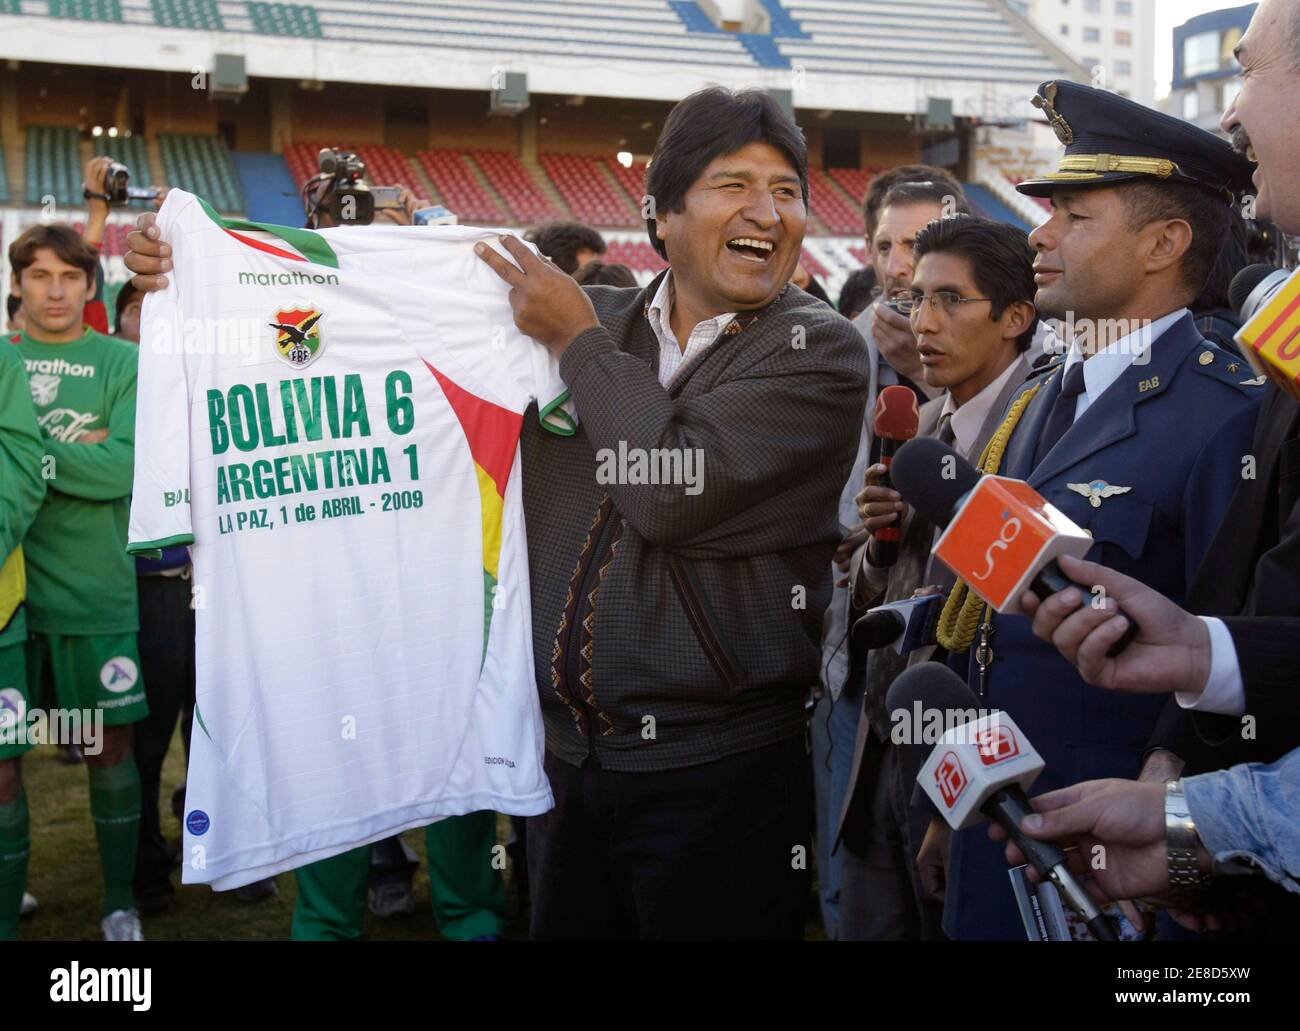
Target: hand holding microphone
[1000, 535]
[978, 769]
[1170, 653]
[896, 421]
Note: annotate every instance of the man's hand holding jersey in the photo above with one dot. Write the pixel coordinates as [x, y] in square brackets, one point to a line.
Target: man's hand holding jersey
[147, 256]
[549, 306]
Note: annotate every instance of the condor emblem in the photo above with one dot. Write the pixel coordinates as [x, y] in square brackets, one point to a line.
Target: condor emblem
[297, 338]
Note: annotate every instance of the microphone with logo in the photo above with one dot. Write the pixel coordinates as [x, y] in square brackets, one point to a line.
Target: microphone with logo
[1268, 300]
[1000, 535]
[979, 769]
[897, 420]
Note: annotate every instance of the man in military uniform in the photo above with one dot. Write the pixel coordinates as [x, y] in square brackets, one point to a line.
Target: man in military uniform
[1139, 437]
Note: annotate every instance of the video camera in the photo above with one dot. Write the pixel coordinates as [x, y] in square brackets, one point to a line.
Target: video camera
[116, 189]
[347, 198]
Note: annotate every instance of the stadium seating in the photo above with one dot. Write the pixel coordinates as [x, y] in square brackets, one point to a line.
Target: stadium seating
[631, 179]
[637, 255]
[202, 165]
[188, 14]
[949, 39]
[854, 181]
[385, 166]
[812, 265]
[612, 30]
[4, 179]
[130, 151]
[831, 205]
[520, 191]
[53, 165]
[583, 184]
[297, 20]
[86, 10]
[459, 189]
[983, 202]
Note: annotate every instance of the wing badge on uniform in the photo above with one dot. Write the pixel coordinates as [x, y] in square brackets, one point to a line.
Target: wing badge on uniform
[1097, 490]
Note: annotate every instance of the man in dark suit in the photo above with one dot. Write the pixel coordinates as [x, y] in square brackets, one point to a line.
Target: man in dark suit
[1237, 671]
[970, 307]
[1139, 438]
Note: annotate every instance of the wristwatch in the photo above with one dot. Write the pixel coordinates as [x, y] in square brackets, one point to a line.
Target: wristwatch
[1181, 840]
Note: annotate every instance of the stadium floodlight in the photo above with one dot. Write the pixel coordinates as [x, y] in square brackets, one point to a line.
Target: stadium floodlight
[97, 131]
[625, 158]
[112, 131]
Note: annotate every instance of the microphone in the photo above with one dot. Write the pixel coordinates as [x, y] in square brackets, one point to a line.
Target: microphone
[905, 625]
[979, 769]
[1269, 302]
[897, 420]
[1252, 286]
[1000, 535]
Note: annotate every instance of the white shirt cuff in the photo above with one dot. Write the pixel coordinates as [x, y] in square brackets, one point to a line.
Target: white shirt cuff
[1224, 692]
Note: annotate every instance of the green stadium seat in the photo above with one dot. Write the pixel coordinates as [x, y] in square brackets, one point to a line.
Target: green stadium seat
[202, 165]
[87, 10]
[295, 20]
[4, 179]
[53, 165]
[188, 14]
[132, 152]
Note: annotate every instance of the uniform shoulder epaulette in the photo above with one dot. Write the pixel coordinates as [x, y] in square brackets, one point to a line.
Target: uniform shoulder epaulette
[1226, 367]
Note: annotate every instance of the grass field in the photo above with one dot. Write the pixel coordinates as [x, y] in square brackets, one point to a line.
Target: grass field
[64, 872]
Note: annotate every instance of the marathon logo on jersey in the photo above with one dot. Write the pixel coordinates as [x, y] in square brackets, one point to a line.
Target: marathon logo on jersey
[996, 744]
[297, 337]
[951, 779]
[58, 367]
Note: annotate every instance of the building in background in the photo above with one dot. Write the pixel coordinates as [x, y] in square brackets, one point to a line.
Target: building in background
[1205, 78]
[1115, 39]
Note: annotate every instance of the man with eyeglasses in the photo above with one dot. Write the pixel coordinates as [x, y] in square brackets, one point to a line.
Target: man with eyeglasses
[898, 205]
[970, 306]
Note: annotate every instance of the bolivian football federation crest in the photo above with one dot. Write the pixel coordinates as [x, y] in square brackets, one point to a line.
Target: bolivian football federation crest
[297, 338]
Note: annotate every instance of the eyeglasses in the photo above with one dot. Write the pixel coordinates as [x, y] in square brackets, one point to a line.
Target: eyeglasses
[945, 302]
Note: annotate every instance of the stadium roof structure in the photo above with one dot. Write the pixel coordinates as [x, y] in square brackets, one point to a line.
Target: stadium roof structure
[889, 56]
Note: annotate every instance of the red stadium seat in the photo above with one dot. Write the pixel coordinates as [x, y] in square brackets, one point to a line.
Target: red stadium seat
[515, 184]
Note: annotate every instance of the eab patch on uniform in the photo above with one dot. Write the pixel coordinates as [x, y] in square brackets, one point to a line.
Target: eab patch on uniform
[119, 674]
[297, 338]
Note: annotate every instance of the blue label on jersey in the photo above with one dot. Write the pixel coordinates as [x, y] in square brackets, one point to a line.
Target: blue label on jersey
[197, 823]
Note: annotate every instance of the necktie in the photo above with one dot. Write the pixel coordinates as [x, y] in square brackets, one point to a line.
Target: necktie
[946, 435]
[1061, 417]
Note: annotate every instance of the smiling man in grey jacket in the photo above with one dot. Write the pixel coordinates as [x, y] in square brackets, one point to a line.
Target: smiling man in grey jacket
[676, 625]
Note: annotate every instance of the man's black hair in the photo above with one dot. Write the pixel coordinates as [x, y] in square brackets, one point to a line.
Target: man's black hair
[598, 273]
[887, 180]
[857, 291]
[1209, 215]
[1000, 259]
[707, 125]
[926, 192]
[12, 304]
[561, 242]
[123, 298]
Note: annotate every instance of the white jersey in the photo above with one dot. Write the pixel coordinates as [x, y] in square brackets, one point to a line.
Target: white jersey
[331, 420]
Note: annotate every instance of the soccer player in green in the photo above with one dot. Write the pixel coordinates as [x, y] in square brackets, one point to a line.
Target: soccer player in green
[82, 614]
[21, 492]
